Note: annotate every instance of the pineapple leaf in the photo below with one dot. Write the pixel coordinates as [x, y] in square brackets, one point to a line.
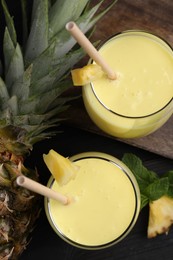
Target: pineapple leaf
[24, 20]
[68, 62]
[39, 103]
[8, 48]
[4, 96]
[63, 11]
[99, 16]
[58, 104]
[36, 137]
[21, 87]
[38, 37]
[41, 86]
[13, 105]
[5, 116]
[47, 58]
[16, 67]
[34, 120]
[53, 71]
[1, 68]
[9, 22]
[64, 41]
[38, 133]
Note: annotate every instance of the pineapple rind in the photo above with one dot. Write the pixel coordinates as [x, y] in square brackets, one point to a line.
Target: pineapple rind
[19, 208]
[160, 216]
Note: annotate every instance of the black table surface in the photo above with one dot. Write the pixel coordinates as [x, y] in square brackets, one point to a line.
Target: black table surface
[45, 244]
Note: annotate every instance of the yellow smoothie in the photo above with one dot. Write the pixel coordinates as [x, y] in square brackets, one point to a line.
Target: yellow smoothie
[105, 202]
[140, 100]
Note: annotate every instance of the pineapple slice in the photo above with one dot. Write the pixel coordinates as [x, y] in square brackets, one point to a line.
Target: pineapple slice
[160, 216]
[61, 168]
[86, 74]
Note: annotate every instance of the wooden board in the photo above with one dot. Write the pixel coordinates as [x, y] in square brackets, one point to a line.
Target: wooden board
[151, 15]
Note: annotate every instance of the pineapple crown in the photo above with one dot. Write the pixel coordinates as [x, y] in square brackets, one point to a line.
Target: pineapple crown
[36, 74]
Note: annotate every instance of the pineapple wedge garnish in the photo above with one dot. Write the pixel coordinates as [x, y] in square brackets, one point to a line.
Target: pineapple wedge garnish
[160, 216]
[62, 169]
[87, 74]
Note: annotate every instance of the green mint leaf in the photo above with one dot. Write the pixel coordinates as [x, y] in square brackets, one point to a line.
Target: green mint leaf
[157, 189]
[151, 186]
[170, 190]
[143, 176]
[144, 201]
[169, 174]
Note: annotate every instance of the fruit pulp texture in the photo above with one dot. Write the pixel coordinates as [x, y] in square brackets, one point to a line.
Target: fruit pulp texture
[103, 203]
[144, 85]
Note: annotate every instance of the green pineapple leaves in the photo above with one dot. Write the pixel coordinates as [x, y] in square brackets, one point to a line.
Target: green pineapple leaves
[9, 22]
[60, 46]
[38, 37]
[4, 96]
[62, 12]
[36, 74]
[16, 68]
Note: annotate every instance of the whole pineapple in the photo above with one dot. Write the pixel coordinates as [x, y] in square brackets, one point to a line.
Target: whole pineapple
[32, 80]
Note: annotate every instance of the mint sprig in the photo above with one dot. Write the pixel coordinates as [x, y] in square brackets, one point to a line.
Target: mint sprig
[169, 174]
[151, 186]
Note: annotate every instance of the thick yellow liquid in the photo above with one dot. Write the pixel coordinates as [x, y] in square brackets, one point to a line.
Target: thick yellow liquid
[144, 66]
[104, 203]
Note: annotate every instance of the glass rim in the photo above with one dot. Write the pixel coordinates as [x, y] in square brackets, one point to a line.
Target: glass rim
[131, 178]
[123, 33]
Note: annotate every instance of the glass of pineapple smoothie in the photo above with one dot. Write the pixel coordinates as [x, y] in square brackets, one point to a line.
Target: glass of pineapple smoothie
[105, 202]
[140, 100]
